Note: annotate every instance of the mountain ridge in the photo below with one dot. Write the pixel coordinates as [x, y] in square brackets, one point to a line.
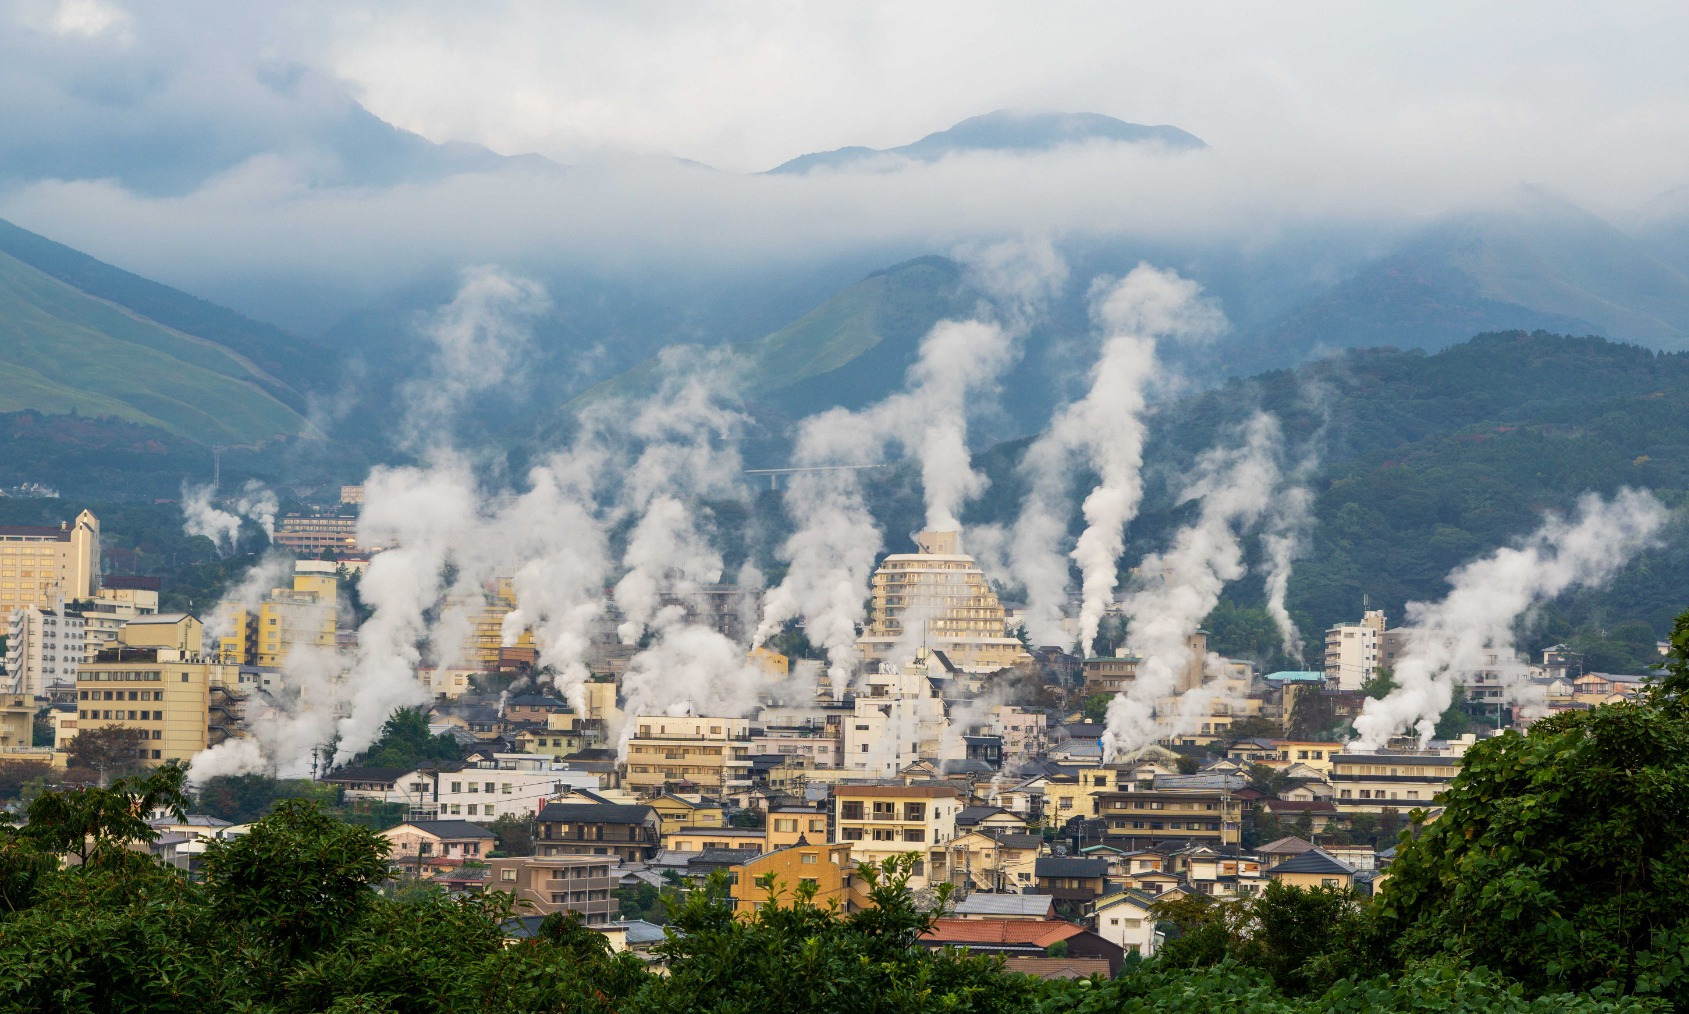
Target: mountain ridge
[1000, 130]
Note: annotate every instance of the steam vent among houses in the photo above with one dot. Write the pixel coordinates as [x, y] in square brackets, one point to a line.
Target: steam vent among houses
[938, 598]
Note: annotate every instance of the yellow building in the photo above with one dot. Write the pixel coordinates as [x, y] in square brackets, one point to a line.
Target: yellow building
[775, 877]
[771, 662]
[787, 824]
[938, 598]
[43, 566]
[157, 680]
[708, 755]
[307, 613]
[699, 839]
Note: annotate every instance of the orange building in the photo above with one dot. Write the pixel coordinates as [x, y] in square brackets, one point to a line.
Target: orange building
[828, 867]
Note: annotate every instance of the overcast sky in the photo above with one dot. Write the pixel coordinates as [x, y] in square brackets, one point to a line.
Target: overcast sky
[1342, 109]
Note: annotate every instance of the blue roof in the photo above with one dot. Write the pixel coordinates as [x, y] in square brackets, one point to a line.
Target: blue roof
[1296, 676]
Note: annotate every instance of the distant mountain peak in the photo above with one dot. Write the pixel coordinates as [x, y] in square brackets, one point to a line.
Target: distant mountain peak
[1003, 130]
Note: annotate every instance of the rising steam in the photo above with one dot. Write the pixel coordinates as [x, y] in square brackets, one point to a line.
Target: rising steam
[1182, 585]
[1104, 430]
[1472, 628]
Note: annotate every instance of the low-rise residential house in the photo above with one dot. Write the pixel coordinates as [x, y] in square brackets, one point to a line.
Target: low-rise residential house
[373, 784]
[1153, 882]
[1275, 852]
[1075, 882]
[1319, 812]
[1123, 918]
[438, 842]
[687, 810]
[993, 862]
[1020, 938]
[776, 877]
[546, 884]
[1357, 857]
[990, 819]
[630, 832]
[1314, 868]
[980, 905]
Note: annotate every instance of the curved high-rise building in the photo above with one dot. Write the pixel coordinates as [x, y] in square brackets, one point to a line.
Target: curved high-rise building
[940, 599]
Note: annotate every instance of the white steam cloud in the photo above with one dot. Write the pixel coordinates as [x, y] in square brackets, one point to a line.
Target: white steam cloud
[1182, 585]
[1106, 430]
[1474, 623]
[1286, 539]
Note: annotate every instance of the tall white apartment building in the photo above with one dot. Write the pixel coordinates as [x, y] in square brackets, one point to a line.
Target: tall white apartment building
[42, 646]
[1354, 651]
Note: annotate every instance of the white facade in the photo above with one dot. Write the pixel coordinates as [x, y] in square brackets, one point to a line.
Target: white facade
[1353, 651]
[42, 646]
[898, 719]
[1125, 920]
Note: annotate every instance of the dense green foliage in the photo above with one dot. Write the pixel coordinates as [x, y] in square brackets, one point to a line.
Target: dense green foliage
[405, 742]
[1562, 855]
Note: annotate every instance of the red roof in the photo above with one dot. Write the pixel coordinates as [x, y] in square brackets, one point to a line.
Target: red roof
[1022, 932]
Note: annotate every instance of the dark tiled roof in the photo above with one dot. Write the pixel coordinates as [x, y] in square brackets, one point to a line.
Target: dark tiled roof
[968, 815]
[1057, 866]
[1020, 841]
[1313, 861]
[597, 813]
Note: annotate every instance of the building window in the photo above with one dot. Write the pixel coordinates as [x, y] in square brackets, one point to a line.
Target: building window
[808, 859]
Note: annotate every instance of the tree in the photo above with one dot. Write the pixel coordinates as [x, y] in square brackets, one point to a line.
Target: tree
[405, 742]
[110, 749]
[1561, 856]
[1253, 726]
[297, 879]
[515, 835]
[16, 773]
[1270, 780]
[96, 824]
[1095, 707]
[41, 730]
[1379, 684]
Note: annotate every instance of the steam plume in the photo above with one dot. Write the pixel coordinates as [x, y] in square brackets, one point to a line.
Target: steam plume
[1106, 429]
[1475, 621]
[1182, 585]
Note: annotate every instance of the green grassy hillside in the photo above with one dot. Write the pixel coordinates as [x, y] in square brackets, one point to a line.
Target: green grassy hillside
[65, 351]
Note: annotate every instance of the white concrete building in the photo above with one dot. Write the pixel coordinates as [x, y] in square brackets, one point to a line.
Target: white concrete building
[42, 646]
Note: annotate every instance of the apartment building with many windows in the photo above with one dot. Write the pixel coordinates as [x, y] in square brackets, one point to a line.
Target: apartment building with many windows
[709, 755]
[880, 821]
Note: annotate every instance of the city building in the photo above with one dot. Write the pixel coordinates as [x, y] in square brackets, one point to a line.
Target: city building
[121, 598]
[704, 754]
[156, 679]
[303, 614]
[1124, 919]
[1374, 782]
[543, 885]
[1354, 651]
[881, 821]
[776, 877]
[788, 824]
[938, 598]
[897, 719]
[630, 832]
[17, 722]
[996, 862]
[43, 645]
[42, 567]
[1140, 818]
[316, 534]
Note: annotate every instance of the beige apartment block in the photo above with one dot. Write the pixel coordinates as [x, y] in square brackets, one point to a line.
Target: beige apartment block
[938, 598]
[121, 598]
[1354, 652]
[42, 566]
[880, 821]
[546, 884]
[157, 680]
[708, 755]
